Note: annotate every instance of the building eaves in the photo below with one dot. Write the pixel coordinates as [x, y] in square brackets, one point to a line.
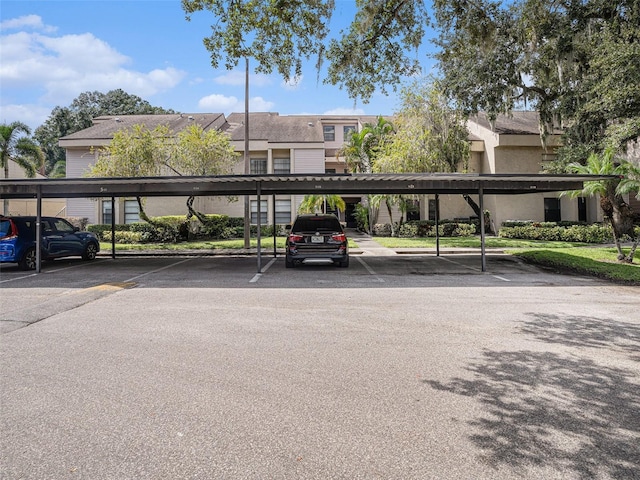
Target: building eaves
[516, 123]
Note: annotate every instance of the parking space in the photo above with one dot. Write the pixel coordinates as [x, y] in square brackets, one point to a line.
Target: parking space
[68, 283]
[225, 271]
[403, 366]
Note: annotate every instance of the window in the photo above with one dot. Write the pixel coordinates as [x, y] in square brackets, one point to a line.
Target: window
[329, 133]
[107, 212]
[281, 166]
[263, 212]
[258, 166]
[131, 211]
[62, 226]
[551, 209]
[413, 210]
[582, 209]
[329, 170]
[432, 209]
[283, 212]
[347, 131]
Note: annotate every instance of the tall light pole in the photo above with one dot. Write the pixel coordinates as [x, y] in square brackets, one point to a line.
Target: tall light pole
[247, 162]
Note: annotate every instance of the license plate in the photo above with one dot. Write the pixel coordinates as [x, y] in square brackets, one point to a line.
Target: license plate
[317, 239]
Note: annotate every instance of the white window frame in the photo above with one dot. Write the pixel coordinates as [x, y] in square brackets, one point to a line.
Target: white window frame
[264, 214]
[279, 165]
[262, 163]
[283, 212]
[131, 211]
[329, 133]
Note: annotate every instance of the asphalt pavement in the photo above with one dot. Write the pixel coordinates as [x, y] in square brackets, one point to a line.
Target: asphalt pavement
[399, 367]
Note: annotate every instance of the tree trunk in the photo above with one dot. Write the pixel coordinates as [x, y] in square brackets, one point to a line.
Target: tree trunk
[143, 214]
[388, 203]
[194, 213]
[621, 218]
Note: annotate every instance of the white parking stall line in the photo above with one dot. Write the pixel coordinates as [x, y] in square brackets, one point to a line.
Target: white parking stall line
[17, 278]
[369, 269]
[160, 269]
[77, 265]
[257, 276]
[475, 269]
[501, 278]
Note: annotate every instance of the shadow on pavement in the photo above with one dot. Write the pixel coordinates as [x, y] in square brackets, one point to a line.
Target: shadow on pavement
[562, 411]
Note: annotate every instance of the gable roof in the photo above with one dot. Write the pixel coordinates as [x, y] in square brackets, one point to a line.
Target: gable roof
[288, 128]
[106, 126]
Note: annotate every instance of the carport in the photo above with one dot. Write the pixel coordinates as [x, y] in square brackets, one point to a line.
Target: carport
[292, 184]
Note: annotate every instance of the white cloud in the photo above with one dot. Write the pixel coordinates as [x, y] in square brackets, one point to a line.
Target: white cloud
[218, 103]
[65, 66]
[345, 111]
[27, 21]
[293, 83]
[224, 104]
[32, 115]
[236, 78]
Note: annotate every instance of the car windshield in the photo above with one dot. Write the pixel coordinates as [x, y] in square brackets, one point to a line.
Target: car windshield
[317, 224]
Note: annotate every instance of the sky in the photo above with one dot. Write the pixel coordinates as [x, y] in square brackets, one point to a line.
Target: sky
[51, 51]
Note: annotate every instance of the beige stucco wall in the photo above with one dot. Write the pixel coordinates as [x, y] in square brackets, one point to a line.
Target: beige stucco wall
[50, 207]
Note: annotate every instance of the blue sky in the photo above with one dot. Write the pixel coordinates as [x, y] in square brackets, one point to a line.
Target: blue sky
[51, 51]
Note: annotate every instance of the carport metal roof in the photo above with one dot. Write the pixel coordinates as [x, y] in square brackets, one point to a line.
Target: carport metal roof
[301, 184]
[428, 183]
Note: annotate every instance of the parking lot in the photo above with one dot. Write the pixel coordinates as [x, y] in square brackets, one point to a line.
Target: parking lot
[398, 367]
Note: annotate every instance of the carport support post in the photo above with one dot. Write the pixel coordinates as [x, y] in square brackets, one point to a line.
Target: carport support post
[482, 249]
[259, 227]
[38, 228]
[274, 226]
[113, 227]
[437, 225]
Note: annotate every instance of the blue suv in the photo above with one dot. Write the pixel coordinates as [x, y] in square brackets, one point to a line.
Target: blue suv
[59, 239]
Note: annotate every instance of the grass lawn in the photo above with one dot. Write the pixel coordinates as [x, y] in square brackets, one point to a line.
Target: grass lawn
[233, 244]
[470, 242]
[594, 261]
[581, 258]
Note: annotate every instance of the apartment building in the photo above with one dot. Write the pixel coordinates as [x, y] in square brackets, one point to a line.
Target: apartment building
[308, 144]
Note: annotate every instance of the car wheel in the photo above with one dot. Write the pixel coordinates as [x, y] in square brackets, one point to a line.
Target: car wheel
[90, 252]
[345, 263]
[288, 262]
[28, 261]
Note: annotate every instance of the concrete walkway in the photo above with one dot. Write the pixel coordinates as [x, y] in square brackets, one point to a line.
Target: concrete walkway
[367, 245]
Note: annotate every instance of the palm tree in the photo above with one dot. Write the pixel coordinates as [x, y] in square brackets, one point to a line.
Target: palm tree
[360, 154]
[21, 149]
[315, 203]
[610, 191]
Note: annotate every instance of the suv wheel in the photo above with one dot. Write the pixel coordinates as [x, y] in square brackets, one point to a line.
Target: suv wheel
[28, 261]
[90, 252]
[288, 262]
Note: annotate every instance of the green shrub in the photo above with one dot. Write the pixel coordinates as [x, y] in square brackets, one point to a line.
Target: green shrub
[382, 229]
[123, 236]
[408, 230]
[551, 231]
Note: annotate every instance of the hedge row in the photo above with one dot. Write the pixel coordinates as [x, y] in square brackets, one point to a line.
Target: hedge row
[427, 228]
[170, 229]
[561, 231]
[550, 231]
